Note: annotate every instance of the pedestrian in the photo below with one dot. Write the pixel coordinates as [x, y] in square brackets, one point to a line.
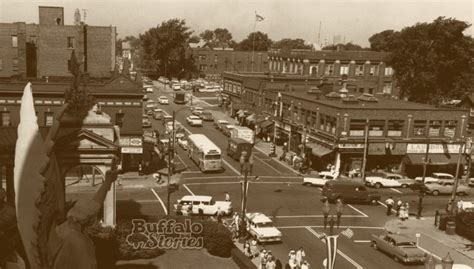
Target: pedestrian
[292, 260]
[220, 214]
[399, 204]
[339, 209]
[140, 172]
[326, 209]
[271, 264]
[402, 212]
[262, 256]
[407, 210]
[247, 251]
[179, 209]
[300, 256]
[254, 248]
[190, 209]
[157, 178]
[227, 197]
[389, 202]
[449, 206]
[459, 206]
[305, 265]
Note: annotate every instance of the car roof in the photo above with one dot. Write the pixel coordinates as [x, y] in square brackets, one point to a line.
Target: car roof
[206, 112]
[198, 107]
[163, 97]
[222, 121]
[258, 217]
[197, 198]
[193, 116]
[400, 238]
[442, 174]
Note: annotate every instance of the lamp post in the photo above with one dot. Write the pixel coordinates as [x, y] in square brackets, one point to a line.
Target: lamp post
[170, 164]
[246, 165]
[456, 178]
[421, 193]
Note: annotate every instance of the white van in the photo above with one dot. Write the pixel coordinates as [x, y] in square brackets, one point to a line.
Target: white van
[203, 203]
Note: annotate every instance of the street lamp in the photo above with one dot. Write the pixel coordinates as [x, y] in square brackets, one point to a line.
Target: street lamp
[246, 165]
[170, 163]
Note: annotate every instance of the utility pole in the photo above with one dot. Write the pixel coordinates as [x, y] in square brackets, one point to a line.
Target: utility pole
[456, 178]
[366, 149]
[245, 168]
[421, 193]
[170, 163]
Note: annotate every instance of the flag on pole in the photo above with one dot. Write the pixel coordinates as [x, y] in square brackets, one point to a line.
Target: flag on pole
[258, 17]
[348, 233]
[331, 242]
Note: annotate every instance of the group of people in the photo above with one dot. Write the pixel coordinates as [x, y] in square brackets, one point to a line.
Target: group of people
[266, 259]
[402, 208]
[296, 259]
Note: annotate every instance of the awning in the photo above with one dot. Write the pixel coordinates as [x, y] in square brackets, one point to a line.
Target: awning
[266, 124]
[318, 150]
[251, 118]
[434, 159]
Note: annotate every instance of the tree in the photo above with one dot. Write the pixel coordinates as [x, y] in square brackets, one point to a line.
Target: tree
[381, 41]
[194, 39]
[219, 37]
[347, 46]
[164, 49]
[262, 42]
[288, 44]
[432, 61]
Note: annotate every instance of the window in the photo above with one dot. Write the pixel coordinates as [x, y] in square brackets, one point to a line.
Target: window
[1, 64]
[361, 90]
[119, 119]
[434, 128]
[471, 111]
[395, 128]
[14, 41]
[215, 58]
[70, 42]
[5, 119]
[32, 39]
[388, 71]
[48, 118]
[376, 127]
[202, 67]
[387, 88]
[359, 70]
[374, 70]
[344, 69]
[329, 69]
[313, 70]
[449, 128]
[419, 128]
[15, 64]
[371, 90]
[357, 128]
[202, 57]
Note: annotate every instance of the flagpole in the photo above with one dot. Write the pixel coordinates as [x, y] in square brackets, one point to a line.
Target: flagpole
[253, 42]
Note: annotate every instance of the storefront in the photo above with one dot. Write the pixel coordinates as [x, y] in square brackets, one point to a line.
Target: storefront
[386, 156]
[132, 150]
[320, 156]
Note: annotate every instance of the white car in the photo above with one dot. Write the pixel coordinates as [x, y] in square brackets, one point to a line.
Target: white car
[163, 100]
[149, 89]
[388, 180]
[316, 178]
[202, 203]
[197, 110]
[435, 177]
[194, 120]
[261, 228]
[183, 143]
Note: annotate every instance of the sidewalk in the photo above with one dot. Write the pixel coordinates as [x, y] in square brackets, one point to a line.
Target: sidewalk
[433, 240]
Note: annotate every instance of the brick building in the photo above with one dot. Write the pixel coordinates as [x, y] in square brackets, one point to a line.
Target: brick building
[212, 63]
[43, 50]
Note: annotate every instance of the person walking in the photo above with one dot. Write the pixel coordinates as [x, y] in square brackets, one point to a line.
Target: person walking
[305, 265]
[407, 210]
[254, 248]
[326, 209]
[389, 202]
[271, 264]
[292, 259]
[247, 250]
[399, 204]
[339, 209]
[227, 197]
[300, 256]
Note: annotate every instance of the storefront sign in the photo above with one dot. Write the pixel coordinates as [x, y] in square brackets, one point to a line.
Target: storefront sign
[350, 146]
[131, 142]
[136, 142]
[132, 150]
[434, 148]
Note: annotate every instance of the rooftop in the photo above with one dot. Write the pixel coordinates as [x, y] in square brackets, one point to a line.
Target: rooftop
[334, 55]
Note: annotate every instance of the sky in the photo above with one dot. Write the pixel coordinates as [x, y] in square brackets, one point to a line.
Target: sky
[353, 20]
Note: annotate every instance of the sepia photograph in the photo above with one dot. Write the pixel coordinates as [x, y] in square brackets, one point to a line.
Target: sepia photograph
[236, 134]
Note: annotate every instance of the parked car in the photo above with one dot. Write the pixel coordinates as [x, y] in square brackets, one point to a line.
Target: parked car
[389, 180]
[149, 89]
[261, 228]
[145, 97]
[183, 143]
[316, 178]
[220, 124]
[197, 110]
[163, 100]
[349, 191]
[202, 203]
[435, 177]
[446, 187]
[206, 116]
[194, 120]
[399, 246]
[227, 129]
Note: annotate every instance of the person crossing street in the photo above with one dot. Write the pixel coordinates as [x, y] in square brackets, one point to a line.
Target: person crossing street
[326, 209]
[389, 202]
[339, 209]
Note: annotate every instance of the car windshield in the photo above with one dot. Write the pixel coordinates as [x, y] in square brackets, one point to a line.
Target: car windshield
[264, 224]
[213, 157]
[406, 245]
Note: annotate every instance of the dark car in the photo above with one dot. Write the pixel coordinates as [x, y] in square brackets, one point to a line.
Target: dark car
[349, 191]
[206, 116]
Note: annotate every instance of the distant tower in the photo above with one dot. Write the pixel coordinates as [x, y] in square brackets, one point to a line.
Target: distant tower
[77, 17]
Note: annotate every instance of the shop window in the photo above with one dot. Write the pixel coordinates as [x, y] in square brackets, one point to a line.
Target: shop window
[5, 118]
[376, 127]
[449, 128]
[357, 127]
[395, 128]
[419, 128]
[14, 41]
[119, 117]
[329, 69]
[434, 128]
[48, 118]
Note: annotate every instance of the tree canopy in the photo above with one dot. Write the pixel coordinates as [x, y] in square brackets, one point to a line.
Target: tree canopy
[288, 44]
[262, 42]
[164, 49]
[219, 37]
[432, 61]
[347, 46]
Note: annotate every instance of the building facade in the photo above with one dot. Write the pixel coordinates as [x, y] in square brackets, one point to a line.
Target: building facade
[212, 63]
[43, 50]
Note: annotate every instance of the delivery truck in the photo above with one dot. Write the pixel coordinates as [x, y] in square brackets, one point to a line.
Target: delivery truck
[244, 133]
[180, 97]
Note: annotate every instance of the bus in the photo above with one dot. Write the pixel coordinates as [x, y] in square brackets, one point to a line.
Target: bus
[204, 153]
[180, 97]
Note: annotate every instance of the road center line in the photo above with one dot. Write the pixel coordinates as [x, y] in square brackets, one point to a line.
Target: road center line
[382, 204]
[161, 201]
[362, 241]
[357, 210]
[186, 187]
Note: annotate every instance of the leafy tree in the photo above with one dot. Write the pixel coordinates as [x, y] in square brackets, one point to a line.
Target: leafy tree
[220, 37]
[347, 46]
[432, 61]
[164, 49]
[262, 42]
[288, 44]
[194, 39]
[381, 41]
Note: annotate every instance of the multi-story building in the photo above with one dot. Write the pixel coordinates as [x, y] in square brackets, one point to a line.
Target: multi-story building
[214, 62]
[44, 49]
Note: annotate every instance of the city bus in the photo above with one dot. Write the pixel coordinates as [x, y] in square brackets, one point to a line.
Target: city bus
[204, 153]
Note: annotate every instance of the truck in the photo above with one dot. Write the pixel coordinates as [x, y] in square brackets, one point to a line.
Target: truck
[235, 147]
[244, 133]
[180, 97]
